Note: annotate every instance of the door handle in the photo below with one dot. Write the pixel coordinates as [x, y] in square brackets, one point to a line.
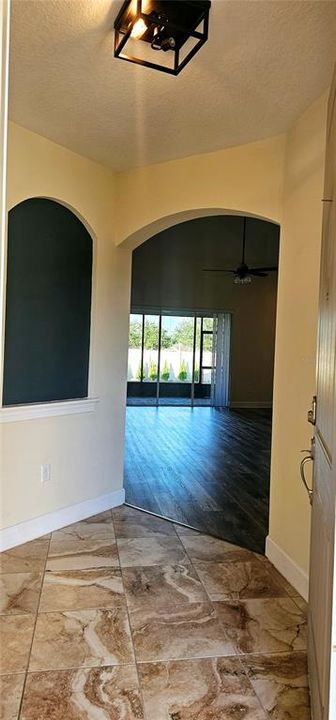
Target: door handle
[303, 463]
[308, 458]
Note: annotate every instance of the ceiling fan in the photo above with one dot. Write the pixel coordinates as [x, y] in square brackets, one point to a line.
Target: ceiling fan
[243, 273]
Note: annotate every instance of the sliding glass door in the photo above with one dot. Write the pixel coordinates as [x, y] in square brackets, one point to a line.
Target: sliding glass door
[176, 360]
[204, 368]
[172, 359]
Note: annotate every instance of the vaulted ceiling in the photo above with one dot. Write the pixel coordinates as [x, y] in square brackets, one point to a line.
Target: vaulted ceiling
[264, 63]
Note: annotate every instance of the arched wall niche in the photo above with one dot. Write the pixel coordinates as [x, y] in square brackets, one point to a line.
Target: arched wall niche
[48, 303]
[68, 206]
[94, 238]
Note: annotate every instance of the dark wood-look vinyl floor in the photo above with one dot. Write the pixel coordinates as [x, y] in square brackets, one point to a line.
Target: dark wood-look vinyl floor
[204, 467]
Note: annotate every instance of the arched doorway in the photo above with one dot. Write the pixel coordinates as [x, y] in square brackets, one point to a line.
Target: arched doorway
[207, 467]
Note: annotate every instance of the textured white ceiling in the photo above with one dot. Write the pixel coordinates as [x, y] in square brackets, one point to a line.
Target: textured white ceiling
[264, 63]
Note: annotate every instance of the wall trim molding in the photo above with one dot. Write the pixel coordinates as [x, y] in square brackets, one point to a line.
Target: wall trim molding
[250, 404]
[287, 567]
[36, 527]
[5, 11]
[17, 413]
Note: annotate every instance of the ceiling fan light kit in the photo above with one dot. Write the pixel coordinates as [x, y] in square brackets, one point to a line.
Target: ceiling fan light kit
[161, 34]
[243, 274]
[245, 280]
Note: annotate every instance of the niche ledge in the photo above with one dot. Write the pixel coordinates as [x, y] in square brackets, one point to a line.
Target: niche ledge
[17, 413]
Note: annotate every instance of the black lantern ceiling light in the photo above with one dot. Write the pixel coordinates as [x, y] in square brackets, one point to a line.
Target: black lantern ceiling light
[161, 34]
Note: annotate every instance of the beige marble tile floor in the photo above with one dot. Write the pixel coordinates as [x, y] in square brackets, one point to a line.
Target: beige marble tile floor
[125, 616]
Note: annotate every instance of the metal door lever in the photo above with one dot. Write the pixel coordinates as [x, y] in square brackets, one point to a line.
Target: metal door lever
[303, 462]
[308, 458]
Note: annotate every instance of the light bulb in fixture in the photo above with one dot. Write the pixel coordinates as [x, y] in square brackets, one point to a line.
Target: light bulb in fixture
[139, 29]
[242, 280]
[179, 27]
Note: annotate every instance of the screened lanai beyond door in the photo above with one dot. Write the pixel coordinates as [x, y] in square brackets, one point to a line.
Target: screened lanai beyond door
[178, 359]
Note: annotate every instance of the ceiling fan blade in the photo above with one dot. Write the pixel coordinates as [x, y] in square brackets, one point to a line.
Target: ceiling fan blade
[217, 270]
[257, 273]
[265, 269]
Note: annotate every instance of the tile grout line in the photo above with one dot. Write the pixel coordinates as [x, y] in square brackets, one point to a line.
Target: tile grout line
[250, 681]
[130, 626]
[240, 658]
[125, 604]
[43, 573]
[169, 660]
[191, 527]
[159, 517]
[35, 614]
[262, 561]
[236, 655]
[208, 596]
[286, 596]
[239, 655]
[34, 628]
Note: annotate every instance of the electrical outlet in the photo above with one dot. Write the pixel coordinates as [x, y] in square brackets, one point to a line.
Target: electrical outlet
[45, 473]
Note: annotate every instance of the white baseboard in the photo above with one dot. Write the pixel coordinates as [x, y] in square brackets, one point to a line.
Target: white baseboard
[254, 404]
[287, 567]
[32, 529]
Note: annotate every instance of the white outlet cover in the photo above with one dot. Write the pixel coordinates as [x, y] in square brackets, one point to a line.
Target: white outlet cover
[45, 472]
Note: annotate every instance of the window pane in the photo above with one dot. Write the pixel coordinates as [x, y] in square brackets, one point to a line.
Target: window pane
[168, 364]
[206, 377]
[208, 323]
[197, 376]
[134, 348]
[151, 348]
[177, 349]
[207, 349]
[207, 341]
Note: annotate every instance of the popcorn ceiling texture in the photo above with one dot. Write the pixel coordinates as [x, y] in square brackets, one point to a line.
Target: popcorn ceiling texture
[264, 63]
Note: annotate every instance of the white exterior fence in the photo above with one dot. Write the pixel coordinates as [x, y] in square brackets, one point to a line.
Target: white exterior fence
[174, 360]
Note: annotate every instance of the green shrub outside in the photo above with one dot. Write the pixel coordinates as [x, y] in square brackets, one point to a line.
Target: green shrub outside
[138, 374]
[153, 371]
[165, 372]
[183, 372]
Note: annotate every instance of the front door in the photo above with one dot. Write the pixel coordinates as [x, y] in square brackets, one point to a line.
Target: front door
[322, 596]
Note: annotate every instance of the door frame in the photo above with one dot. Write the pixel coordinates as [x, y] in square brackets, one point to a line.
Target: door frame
[322, 494]
[4, 83]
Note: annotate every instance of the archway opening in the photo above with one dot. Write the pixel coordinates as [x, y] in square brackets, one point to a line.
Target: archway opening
[200, 375]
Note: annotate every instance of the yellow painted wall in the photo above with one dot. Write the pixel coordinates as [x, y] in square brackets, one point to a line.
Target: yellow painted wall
[279, 179]
[85, 451]
[240, 179]
[295, 354]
